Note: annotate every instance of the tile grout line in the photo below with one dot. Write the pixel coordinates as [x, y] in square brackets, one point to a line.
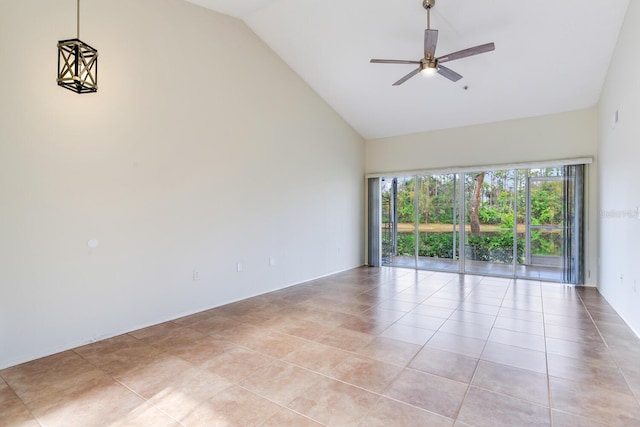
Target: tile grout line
[546, 358]
[615, 358]
[26, 406]
[117, 381]
[475, 371]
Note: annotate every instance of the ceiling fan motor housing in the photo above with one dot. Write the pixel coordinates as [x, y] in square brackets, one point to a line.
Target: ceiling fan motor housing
[428, 63]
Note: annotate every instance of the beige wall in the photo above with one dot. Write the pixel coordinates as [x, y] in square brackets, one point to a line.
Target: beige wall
[619, 278]
[200, 150]
[553, 137]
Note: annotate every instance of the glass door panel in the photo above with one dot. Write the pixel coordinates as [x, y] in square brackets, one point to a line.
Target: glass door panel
[522, 177]
[489, 214]
[546, 223]
[438, 222]
[399, 230]
[387, 220]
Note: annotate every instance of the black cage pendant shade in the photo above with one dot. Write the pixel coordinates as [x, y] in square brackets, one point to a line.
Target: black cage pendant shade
[77, 64]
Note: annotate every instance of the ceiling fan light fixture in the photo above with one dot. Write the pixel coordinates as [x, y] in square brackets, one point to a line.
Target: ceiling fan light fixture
[429, 71]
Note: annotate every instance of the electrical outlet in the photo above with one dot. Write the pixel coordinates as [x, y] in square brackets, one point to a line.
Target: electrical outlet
[239, 267]
[196, 275]
[272, 261]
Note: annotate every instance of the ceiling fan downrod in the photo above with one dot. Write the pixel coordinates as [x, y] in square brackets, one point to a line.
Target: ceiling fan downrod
[428, 4]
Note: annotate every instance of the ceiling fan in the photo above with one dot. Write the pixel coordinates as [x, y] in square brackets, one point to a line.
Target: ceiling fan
[431, 64]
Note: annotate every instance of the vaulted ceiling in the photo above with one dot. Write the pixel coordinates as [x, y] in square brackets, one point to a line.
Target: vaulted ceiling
[550, 56]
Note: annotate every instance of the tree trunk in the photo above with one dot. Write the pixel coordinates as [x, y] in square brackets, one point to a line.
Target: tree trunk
[474, 219]
[491, 186]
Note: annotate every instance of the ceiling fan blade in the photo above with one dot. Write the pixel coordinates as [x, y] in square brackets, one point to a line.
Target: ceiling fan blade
[430, 42]
[408, 76]
[448, 73]
[468, 52]
[392, 61]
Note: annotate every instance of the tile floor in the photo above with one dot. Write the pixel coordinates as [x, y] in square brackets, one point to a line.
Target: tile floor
[368, 347]
[533, 272]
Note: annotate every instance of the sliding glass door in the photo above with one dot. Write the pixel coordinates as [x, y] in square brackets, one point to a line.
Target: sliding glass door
[546, 229]
[515, 222]
[489, 212]
[438, 222]
[399, 221]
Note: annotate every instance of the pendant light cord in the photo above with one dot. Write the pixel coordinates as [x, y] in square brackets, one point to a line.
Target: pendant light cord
[78, 19]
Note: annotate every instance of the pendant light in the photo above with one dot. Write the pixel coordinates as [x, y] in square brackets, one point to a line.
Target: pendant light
[77, 64]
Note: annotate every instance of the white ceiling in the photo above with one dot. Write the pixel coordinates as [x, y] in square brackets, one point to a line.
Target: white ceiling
[550, 56]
